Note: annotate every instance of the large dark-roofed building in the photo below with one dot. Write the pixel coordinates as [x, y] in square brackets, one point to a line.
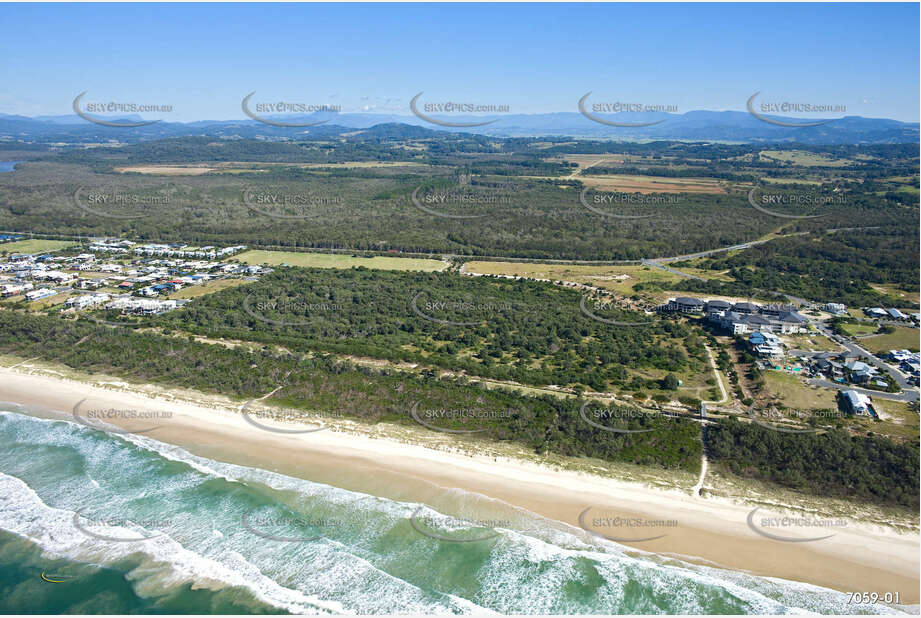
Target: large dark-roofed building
[746, 308]
[685, 304]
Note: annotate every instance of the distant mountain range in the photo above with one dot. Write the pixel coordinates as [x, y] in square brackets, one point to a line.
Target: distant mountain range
[690, 126]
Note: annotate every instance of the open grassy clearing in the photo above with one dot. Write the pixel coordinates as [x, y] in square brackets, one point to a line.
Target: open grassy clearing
[902, 338]
[619, 279]
[806, 159]
[898, 419]
[35, 245]
[166, 170]
[194, 291]
[796, 181]
[856, 330]
[815, 342]
[891, 290]
[332, 260]
[197, 169]
[789, 390]
[652, 184]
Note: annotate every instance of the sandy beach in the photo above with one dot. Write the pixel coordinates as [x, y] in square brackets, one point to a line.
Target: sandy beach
[859, 557]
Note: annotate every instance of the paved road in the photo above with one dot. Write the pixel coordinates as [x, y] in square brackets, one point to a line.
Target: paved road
[909, 395]
[692, 256]
[896, 374]
[901, 379]
[657, 264]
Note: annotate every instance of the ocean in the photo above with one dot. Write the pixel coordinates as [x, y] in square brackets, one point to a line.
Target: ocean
[96, 522]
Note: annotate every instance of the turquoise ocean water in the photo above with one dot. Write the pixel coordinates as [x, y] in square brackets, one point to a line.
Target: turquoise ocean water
[126, 524]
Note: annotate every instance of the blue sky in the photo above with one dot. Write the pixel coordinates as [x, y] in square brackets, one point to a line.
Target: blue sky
[203, 58]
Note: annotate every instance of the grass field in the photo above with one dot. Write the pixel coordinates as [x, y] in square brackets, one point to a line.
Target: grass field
[815, 342]
[855, 330]
[35, 245]
[197, 169]
[790, 391]
[893, 291]
[332, 260]
[619, 279]
[194, 291]
[652, 184]
[900, 419]
[902, 338]
[806, 159]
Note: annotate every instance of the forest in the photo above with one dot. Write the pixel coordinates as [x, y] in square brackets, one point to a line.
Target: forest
[871, 468]
[526, 331]
[337, 388]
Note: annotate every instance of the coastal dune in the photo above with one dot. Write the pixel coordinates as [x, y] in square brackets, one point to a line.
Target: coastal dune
[855, 556]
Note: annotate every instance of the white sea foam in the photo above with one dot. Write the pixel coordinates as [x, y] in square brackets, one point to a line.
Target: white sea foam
[528, 569]
[23, 512]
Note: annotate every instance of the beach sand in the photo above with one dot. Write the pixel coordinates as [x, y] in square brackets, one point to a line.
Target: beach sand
[859, 557]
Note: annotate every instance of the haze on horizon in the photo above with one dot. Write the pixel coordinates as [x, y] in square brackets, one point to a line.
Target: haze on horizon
[373, 58]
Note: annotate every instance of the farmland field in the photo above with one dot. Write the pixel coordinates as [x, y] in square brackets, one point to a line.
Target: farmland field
[619, 279]
[902, 338]
[652, 184]
[196, 169]
[334, 260]
[35, 245]
[194, 291]
[806, 159]
[789, 390]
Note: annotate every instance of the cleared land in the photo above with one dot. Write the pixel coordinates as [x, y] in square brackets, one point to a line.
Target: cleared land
[892, 290]
[856, 330]
[806, 159]
[902, 338]
[899, 419]
[194, 291]
[619, 279]
[35, 245]
[197, 169]
[815, 342]
[789, 390]
[652, 184]
[166, 170]
[332, 260]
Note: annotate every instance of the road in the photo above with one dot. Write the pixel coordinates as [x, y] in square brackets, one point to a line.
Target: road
[658, 264]
[908, 395]
[900, 378]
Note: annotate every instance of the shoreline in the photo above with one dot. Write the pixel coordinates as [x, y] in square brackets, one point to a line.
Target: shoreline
[861, 557]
